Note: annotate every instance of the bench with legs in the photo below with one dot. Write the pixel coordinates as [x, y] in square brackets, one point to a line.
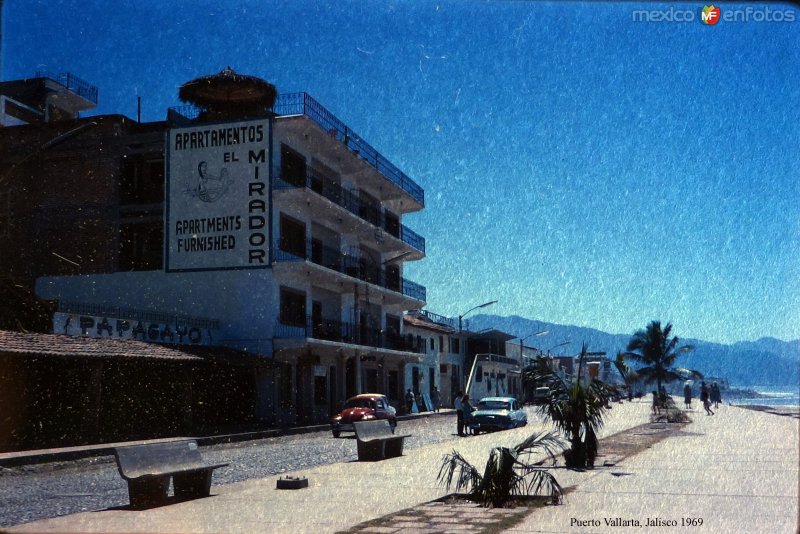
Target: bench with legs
[148, 469]
[376, 441]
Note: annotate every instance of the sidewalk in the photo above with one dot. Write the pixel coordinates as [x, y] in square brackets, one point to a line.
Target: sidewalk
[737, 471]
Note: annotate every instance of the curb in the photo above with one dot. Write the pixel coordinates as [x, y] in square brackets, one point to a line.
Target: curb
[66, 454]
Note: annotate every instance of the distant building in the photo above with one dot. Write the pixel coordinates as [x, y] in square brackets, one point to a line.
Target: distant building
[431, 335]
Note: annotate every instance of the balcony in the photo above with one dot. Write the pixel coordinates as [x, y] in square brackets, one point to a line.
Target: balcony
[359, 268]
[350, 201]
[303, 104]
[344, 332]
[293, 104]
[72, 83]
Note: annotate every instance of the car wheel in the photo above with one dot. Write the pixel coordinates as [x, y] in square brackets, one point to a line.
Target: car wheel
[336, 433]
[393, 425]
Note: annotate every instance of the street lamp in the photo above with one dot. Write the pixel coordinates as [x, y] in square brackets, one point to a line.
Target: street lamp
[460, 317]
[559, 345]
[462, 345]
[522, 344]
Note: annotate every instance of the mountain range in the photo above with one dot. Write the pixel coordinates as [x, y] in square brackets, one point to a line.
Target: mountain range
[767, 361]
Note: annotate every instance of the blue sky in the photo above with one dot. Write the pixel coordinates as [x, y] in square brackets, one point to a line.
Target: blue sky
[579, 167]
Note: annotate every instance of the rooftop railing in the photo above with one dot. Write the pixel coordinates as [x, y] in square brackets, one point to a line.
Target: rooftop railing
[360, 268]
[73, 83]
[350, 201]
[303, 104]
[289, 104]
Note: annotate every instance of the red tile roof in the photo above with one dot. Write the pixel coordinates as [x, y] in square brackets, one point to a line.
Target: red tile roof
[87, 347]
[422, 322]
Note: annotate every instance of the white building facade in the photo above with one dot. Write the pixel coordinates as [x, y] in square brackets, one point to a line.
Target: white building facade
[319, 293]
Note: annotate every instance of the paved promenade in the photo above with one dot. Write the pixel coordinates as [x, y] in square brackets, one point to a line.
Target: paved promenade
[737, 471]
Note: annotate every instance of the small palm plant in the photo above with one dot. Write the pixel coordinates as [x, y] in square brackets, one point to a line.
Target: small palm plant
[577, 409]
[509, 472]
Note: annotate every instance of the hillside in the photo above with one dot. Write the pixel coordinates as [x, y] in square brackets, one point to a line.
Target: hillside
[768, 361]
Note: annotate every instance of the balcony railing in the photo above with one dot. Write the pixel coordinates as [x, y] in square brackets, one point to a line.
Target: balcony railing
[303, 104]
[73, 83]
[334, 259]
[344, 332]
[350, 201]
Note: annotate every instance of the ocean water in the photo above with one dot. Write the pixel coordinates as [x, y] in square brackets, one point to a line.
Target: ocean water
[773, 396]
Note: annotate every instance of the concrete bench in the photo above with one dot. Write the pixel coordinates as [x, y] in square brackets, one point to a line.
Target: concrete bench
[148, 469]
[376, 441]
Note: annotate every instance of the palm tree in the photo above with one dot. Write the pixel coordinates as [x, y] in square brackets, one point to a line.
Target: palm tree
[577, 410]
[508, 472]
[654, 348]
[628, 375]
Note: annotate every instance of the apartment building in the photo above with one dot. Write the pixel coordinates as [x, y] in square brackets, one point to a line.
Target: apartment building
[283, 230]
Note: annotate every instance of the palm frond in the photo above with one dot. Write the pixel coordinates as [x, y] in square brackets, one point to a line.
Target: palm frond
[536, 481]
[466, 476]
[547, 442]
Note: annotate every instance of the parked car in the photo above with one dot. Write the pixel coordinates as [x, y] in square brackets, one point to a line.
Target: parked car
[497, 413]
[541, 395]
[364, 407]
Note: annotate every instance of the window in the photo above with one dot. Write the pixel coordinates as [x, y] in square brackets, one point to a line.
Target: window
[441, 343]
[432, 344]
[293, 166]
[293, 236]
[479, 374]
[293, 307]
[320, 389]
[455, 345]
[443, 369]
[142, 180]
[141, 246]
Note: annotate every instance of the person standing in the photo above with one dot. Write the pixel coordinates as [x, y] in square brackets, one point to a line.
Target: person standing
[466, 408]
[716, 396]
[436, 399]
[409, 400]
[687, 395]
[459, 413]
[704, 397]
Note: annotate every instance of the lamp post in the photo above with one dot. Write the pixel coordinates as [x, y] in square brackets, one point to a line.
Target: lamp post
[460, 329]
[559, 345]
[461, 317]
[522, 344]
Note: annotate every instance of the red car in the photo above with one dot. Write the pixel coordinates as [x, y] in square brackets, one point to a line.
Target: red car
[364, 407]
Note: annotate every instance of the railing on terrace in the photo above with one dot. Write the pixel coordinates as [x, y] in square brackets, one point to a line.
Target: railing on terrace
[71, 82]
[303, 104]
[441, 319]
[350, 201]
[348, 265]
[344, 332]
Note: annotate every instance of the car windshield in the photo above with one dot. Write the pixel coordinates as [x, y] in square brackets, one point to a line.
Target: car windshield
[494, 405]
[359, 403]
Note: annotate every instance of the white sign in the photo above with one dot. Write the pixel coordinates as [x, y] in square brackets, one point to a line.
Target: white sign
[73, 324]
[217, 197]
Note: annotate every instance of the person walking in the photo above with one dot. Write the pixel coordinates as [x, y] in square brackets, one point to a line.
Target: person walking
[687, 395]
[716, 396]
[436, 399]
[467, 410]
[409, 400]
[705, 398]
[459, 414]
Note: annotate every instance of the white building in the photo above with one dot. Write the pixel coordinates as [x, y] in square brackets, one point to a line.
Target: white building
[321, 295]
